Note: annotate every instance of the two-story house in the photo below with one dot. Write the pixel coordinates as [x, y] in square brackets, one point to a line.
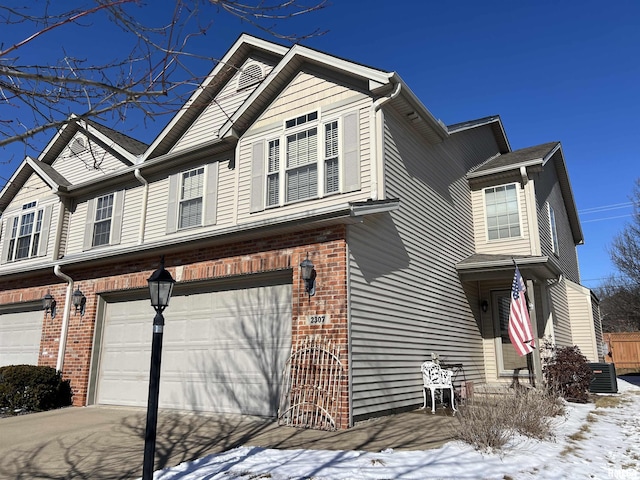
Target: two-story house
[283, 155]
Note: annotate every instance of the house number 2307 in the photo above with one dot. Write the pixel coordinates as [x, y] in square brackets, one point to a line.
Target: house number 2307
[317, 319]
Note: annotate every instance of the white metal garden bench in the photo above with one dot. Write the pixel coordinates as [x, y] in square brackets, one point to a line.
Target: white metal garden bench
[436, 378]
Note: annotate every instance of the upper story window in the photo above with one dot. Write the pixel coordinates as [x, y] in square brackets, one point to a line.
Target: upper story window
[193, 197]
[102, 225]
[191, 193]
[26, 233]
[503, 218]
[554, 230]
[312, 157]
[104, 220]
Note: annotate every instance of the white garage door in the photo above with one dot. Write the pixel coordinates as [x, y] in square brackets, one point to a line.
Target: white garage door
[20, 334]
[223, 351]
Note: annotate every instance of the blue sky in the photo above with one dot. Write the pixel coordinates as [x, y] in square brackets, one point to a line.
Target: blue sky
[567, 71]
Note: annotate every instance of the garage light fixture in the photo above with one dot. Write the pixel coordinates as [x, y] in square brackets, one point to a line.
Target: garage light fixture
[308, 272]
[49, 305]
[160, 288]
[79, 301]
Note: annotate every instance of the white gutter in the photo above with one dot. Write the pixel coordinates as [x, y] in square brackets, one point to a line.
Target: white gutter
[65, 316]
[145, 200]
[377, 161]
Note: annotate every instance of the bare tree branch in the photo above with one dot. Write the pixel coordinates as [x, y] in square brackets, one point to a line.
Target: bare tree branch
[150, 74]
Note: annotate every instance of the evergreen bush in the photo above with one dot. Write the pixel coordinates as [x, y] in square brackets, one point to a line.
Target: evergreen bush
[31, 388]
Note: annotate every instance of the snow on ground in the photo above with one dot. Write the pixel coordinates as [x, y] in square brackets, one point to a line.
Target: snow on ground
[591, 443]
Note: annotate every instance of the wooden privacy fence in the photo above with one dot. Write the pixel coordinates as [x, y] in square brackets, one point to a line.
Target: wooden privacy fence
[624, 351]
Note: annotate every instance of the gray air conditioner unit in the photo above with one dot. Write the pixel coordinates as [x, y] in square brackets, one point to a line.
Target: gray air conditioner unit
[604, 378]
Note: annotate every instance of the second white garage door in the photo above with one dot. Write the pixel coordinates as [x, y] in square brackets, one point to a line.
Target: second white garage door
[20, 333]
[223, 351]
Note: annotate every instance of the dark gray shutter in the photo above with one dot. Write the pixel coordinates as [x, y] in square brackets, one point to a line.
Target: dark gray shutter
[116, 217]
[88, 228]
[6, 238]
[351, 154]
[44, 231]
[257, 177]
[172, 204]
[211, 194]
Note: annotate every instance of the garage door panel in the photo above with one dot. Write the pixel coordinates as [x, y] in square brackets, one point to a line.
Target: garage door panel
[223, 351]
[20, 334]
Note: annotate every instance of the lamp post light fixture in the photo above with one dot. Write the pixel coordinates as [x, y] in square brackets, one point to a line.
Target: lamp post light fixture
[160, 288]
[79, 301]
[308, 273]
[49, 305]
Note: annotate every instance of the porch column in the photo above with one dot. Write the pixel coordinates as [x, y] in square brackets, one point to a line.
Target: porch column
[537, 363]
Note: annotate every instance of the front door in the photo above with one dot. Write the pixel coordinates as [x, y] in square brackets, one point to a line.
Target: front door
[509, 362]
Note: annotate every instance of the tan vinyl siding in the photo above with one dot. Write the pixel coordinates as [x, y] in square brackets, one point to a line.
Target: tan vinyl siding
[305, 93]
[157, 209]
[226, 193]
[405, 296]
[326, 111]
[548, 192]
[582, 325]
[33, 188]
[509, 246]
[91, 163]
[220, 109]
[131, 215]
[77, 225]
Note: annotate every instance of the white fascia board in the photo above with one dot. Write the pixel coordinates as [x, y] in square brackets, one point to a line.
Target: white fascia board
[112, 144]
[35, 165]
[244, 39]
[548, 156]
[423, 111]
[58, 134]
[507, 168]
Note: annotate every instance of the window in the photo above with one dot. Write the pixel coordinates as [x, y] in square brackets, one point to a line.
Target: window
[24, 233]
[554, 230]
[302, 165]
[191, 190]
[273, 173]
[104, 220]
[331, 171]
[311, 158]
[503, 219]
[102, 224]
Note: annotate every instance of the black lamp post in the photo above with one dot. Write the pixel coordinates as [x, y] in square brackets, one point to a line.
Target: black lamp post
[160, 288]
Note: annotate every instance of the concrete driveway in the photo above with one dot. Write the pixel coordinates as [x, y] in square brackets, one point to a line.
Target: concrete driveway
[107, 443]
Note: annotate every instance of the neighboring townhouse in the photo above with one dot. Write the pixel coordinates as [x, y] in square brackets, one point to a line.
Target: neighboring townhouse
[283, 155]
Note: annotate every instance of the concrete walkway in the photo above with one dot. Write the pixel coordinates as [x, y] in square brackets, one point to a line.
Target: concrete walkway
[107, 443]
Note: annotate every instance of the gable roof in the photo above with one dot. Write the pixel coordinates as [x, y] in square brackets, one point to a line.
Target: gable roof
[494, 121]
[29, 166]
[289, 61]
[126, 148]
[538, 155]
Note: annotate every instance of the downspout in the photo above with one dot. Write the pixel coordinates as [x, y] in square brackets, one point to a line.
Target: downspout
[145, 200]
[377, 161]
[65, 316]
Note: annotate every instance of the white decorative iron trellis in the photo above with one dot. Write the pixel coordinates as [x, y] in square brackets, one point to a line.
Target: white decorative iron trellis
[312, 384]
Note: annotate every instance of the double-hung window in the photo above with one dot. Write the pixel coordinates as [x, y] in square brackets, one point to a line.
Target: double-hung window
[104, 220]
[191, 193]
[312, 157]
[503, 218]
[25, 231]
[102, 224]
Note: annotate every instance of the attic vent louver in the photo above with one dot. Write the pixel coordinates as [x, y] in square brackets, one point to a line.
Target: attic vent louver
[250, 75]
[77, 146]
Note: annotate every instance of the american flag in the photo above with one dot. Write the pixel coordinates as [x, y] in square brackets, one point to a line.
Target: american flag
[519, 321]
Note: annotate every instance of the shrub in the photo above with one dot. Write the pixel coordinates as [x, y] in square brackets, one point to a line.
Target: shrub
[567, 372]
[30, 388]
[493, 419]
